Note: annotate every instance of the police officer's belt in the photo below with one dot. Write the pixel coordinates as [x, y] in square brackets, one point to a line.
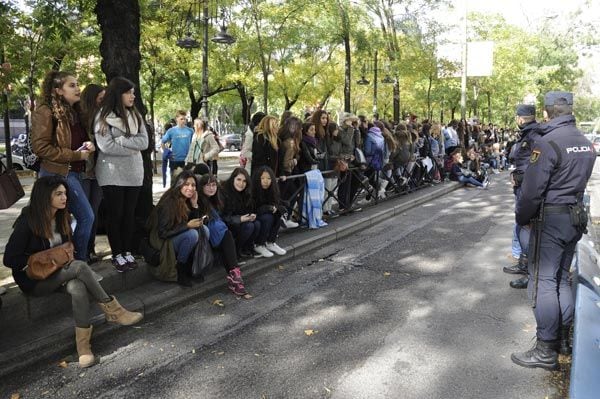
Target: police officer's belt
[554, 209]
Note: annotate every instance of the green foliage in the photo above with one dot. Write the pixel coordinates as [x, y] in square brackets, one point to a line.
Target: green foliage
[290, 54]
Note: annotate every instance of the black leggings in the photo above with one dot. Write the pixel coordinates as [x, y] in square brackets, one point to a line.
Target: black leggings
[229, 252]
[80, 284]
[120, 204]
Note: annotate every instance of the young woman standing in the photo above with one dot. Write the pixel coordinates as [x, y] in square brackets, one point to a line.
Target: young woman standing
[59, 139]
[121, 136]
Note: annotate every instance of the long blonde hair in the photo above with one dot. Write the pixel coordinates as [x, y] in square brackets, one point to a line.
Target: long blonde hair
[199, 126]
[268, 127]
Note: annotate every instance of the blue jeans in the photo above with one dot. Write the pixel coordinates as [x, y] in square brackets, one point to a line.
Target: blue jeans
[184, 243]
[517, 249]
[245, 234]
[81, 209]
[470, 180]
[93, 192]
[269, 227]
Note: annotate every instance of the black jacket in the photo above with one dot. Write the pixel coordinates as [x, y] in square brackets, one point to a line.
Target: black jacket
[263, 154]
[235, 206]
[21, 244]
[560, 166]
[165, 230]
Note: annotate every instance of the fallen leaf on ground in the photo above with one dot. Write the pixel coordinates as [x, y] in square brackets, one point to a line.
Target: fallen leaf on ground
[63, 364]
[193, 350]
[387, 274]
[218, 302]
[310, 332]
[220, 353]
[328, 390]
[15, 395]
[280, 267]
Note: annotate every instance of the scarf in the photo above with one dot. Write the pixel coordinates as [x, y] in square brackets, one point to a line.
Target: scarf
[116, 122]
[309, 140]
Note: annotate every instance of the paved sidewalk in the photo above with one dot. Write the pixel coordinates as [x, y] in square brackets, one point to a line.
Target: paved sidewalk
[48, 331]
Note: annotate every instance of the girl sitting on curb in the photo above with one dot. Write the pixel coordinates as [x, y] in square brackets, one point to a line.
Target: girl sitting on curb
[268, 207]
[46, 223]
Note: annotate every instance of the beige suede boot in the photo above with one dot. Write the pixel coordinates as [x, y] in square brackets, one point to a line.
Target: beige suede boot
[116, 313]
[84, 350]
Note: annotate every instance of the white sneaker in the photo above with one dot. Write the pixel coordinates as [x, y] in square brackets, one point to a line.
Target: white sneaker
[289, 224]
[262, 250]
[271, 246]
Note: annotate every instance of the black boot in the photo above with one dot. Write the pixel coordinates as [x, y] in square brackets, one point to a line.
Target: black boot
[520, 283]
[542, 355]
[183, 278]
[519, 268]
[564, 340]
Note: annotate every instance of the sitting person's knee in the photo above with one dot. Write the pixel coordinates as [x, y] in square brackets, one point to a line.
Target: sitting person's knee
[75, 287]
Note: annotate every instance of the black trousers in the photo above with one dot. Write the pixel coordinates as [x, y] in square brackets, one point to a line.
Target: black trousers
[120, 205]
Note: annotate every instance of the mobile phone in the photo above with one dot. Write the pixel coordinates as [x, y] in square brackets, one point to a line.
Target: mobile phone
[83, 147]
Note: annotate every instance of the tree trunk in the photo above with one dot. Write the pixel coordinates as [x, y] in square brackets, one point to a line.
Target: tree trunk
[119, 21]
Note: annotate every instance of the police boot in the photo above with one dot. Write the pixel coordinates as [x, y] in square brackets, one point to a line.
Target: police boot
[542, 355]
[564, 340]
[519, 268]
[520, 283]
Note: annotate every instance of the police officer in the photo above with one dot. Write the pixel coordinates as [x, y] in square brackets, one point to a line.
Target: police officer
[559, 168]
[519, 156]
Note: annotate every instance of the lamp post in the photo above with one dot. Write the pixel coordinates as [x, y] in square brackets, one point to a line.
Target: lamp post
[190, 43]
[386, 80]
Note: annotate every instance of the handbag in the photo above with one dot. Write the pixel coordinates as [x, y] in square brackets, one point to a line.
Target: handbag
[10, 187]
[42, 264]
[203, 256]
[150, 254]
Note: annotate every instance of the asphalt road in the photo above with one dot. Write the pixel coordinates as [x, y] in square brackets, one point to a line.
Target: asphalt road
[415, 307]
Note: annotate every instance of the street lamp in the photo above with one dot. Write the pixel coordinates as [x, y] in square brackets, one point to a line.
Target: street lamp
[386, 80]
[188, 42]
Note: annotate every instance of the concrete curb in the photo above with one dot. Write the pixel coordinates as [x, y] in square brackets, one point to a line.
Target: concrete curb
[155, 297]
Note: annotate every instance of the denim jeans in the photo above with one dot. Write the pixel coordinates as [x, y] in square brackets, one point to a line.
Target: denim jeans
[470, 180]
[269, 227]
[184, 243]
[245, 234]
[93, 192]
[81, 209]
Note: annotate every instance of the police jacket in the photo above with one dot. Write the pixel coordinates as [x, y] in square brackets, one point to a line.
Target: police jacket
[560, 165]
[521, 150]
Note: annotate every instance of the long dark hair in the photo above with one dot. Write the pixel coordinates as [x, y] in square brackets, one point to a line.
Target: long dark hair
[40, 209]
[112, 102]
[59, 107]
[285, 132]
[90, 106]
[207, 204]
[175, 206]
[269, 196]
[246, 195]
[316, 120]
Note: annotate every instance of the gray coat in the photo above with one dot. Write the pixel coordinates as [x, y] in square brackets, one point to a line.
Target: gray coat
[119, 158]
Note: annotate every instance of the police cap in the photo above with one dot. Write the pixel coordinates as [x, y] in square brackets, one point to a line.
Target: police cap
[552, 97]
[525, 110]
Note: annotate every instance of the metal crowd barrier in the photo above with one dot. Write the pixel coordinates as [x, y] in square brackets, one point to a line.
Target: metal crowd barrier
[586, 333]
[414, 177]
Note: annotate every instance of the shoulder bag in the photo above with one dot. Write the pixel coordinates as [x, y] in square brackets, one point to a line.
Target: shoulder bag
[42, 264]
[10, 187]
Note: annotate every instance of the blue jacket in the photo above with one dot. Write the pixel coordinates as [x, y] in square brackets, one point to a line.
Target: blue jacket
[374, 148]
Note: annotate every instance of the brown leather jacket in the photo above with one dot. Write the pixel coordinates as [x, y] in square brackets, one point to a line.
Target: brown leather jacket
[52, 146]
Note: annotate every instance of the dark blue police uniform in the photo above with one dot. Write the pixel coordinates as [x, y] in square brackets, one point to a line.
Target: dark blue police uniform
[559, 168]
[519, 156]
